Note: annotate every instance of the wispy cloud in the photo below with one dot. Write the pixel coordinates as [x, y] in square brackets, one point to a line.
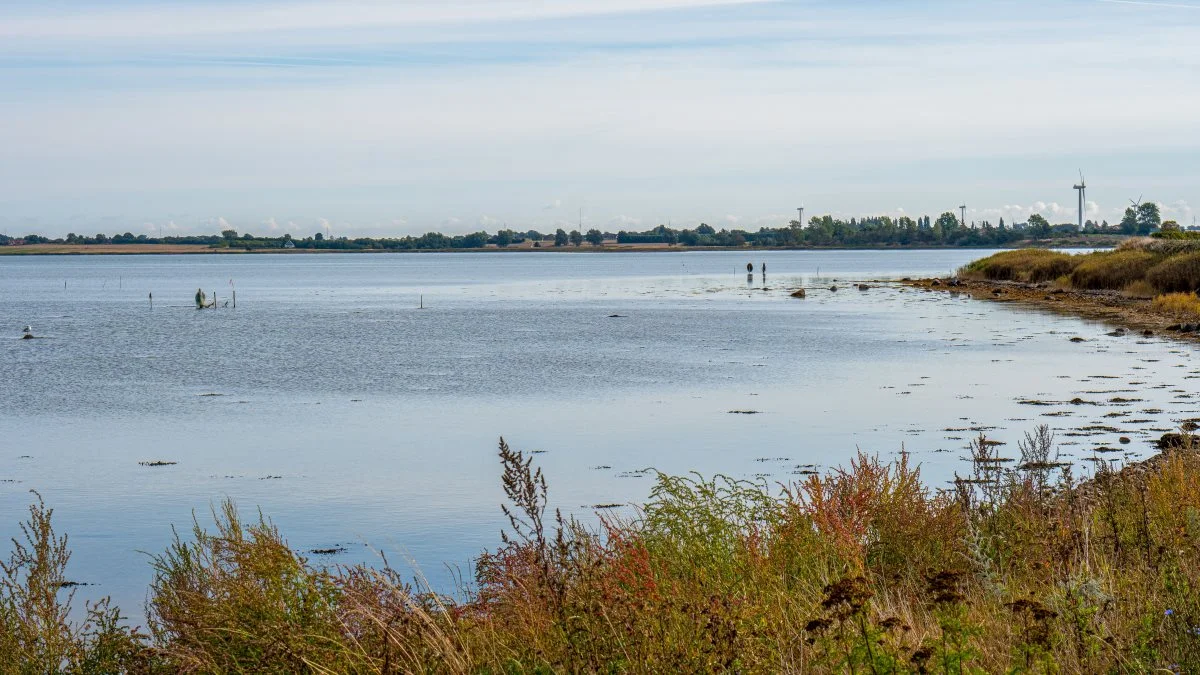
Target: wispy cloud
[1148, 3]
[161, 19]
[684, 110]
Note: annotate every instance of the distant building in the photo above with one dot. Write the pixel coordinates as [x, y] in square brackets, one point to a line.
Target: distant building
[16, 242]
[289, 244]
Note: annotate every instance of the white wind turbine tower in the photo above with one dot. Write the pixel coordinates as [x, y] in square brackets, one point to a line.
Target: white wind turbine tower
[1082, 190]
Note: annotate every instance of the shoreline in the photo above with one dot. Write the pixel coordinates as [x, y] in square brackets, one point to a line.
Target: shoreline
[1112, 307]
[200, 249]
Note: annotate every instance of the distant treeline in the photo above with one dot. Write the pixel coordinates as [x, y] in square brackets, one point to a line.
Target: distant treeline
[946, 230]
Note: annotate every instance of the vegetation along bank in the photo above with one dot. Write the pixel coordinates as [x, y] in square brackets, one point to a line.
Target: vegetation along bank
[1145, 283]
[1015, 567]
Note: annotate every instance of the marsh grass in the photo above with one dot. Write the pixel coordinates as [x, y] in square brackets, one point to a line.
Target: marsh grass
[1030, 265]
[36, 635]
[1015, 567]
[1111, 270]
[1182, 306]
[1143, 267]
[1177, 274]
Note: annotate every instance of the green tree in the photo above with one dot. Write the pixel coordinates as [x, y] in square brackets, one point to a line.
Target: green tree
[945, 226]
[1148, 218]
[1129, 224]
[595, 237]
[229, 235]
[475, 240]
[560, 237]
[576, 238]
[319, 237]
[1038, 226]
[504, 238]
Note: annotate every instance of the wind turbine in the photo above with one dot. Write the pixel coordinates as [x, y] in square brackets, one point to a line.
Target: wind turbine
[1082, 190]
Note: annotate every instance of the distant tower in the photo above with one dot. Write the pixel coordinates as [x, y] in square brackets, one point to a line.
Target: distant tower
[800, 210]
[1082, 190]
[964, 214]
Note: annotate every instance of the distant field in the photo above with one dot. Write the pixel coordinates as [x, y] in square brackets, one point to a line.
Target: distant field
[96, 249]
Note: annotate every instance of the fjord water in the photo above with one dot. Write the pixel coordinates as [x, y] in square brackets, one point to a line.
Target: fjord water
[358, 421]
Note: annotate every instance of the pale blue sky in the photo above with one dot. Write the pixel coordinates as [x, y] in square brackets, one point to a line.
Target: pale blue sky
[374, 117]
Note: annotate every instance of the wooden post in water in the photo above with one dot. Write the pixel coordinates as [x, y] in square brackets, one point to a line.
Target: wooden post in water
[151, 300]
[235, 299]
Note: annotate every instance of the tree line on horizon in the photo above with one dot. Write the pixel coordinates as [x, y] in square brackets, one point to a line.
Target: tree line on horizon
[945, 230]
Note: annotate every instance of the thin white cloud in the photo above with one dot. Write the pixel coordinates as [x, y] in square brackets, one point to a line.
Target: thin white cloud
[1148, 3]
[723, 107]
[166, 20]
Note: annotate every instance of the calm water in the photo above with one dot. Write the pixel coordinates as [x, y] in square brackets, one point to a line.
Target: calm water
[357, 420]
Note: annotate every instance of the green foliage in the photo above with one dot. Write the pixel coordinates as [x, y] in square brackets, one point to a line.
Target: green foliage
[239, 600]
[1176, 233]
[1142, 219]
[36, 634]
[862, 570]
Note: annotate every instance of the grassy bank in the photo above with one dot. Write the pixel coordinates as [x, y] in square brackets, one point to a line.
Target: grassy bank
[1140, 267]
[1017, 568]
[1145, 283]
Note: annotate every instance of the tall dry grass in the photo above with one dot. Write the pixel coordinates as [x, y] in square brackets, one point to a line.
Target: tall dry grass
[1112, 270]
[1182, 306]
[1030, 265]
[1176, 274]
[36, 635]
[1018, 567]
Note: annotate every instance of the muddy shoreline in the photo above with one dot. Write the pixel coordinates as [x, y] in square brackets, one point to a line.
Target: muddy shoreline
[1112, 307]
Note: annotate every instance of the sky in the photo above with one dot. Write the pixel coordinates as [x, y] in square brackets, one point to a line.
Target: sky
[385, 118]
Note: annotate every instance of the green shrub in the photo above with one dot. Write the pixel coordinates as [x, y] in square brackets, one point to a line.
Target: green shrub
[1112, 270]
[1031, 265]
[1184, 235]
[1177, 274]
[866, 569]
[36, 631]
